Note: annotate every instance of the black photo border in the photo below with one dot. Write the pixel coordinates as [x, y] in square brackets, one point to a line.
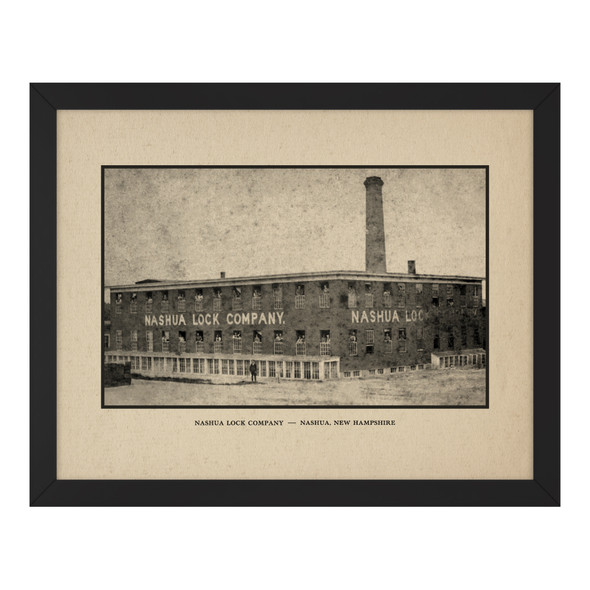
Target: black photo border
[46, 490]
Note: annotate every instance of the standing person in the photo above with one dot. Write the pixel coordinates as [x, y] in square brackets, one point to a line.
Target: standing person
[253, 371]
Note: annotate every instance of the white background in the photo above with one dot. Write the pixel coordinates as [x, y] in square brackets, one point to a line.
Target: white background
[300, 42]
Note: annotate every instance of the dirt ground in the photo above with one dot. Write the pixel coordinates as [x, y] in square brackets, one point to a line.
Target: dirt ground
[453, 387]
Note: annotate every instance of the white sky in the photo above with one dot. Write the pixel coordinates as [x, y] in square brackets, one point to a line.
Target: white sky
[194, 223]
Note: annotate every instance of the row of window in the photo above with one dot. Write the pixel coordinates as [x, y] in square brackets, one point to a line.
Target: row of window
[236, 345]
[399, 298]
[200, 366]
[390, 370]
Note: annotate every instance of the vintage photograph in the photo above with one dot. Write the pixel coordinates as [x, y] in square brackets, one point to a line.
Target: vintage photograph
[295, 286]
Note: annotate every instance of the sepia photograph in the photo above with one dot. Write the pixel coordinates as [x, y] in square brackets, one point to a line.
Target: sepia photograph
[295, 286]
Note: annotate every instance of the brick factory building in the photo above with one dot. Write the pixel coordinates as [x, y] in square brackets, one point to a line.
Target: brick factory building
[321, 325]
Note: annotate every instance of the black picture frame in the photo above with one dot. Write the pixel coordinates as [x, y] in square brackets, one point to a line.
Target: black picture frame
[47, 490]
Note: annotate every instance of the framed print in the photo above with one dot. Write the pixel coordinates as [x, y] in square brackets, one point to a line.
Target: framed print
[292, 294]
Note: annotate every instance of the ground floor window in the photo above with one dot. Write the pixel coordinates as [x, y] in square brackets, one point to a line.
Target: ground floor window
[307, 370]
[316, 370]
[198, 366]
[297, 370]
[272, 369]
[239, 367]
[288, 369]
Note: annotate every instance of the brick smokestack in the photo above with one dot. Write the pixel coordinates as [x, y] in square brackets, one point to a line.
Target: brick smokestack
[375, 228]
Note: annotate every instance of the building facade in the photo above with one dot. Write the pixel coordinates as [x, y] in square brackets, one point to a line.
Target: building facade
[300, 326]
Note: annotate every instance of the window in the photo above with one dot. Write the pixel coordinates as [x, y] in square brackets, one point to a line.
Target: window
[315, 367]
[165, 304]
[387, 341]
[352, 343]
[307, 370]
[451, 339]
[297, 370]
[257, 342]
[224, 367]
[262, 365]
[356, 373]
[324, 296]
[300, 342]
[165, 341]
[119, 339]
[368, 295]
[237, 342]
[133, 339]
[288, 369]
[419, 294]
[300, 297]
[257, 298]
[118, 302]
[199, 341]
[401, 294]
[325, 343]
[278, 342]
[107, 341]
[239, 367]
[463, 335]
[401, 340]
[199, 300]
[352, 302]
[217, 341]
[369, 341]
[277, 296]
[213, 366]
[181, 301]
[182, 365]
[236, 303]
[387, 295]
[450, 299]
[133, 304]
[272, 369]
[181, 341]
[216, 299]
[420, 338]
[149, 341]
[149, 302]
[435, 295]
[199, 366]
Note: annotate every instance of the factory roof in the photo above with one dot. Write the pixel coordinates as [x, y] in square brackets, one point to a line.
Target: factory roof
[346, 275]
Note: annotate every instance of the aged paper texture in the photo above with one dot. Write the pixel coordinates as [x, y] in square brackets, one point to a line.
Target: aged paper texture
[95, 443]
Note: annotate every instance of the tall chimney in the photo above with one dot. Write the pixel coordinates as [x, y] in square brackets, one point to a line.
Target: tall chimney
[375, 229]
